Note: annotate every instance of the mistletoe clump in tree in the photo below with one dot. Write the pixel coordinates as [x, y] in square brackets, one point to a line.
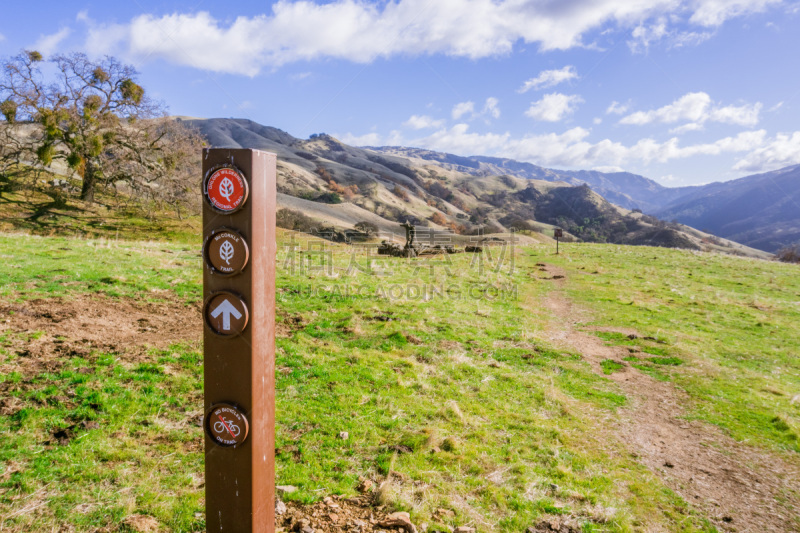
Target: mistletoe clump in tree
[93, 116]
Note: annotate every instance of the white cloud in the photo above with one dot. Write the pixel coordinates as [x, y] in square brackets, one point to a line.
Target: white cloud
[691, 126]
[2, 37]
[696, 108]
[459, 140]
[48, 44]
[370, 139]
[616, 108]
[571, 149]
[643, 35]
[646, 34]
[597, 120]
[608, 168]
[553, 107]
[461, 109]
[782, 151]
[490, 107]
[421, 122]
[715, 12]
[300, 76]
[354, 30]
[466, 110]
[775, 107]
[549, 78]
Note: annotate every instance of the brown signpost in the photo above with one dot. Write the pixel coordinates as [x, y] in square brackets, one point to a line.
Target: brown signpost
[558, 233]
[239, 339]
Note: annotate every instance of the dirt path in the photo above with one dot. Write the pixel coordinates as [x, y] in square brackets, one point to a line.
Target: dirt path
[737, 487]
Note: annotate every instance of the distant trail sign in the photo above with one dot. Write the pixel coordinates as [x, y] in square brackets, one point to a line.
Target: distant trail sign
[239, 339]
[558, 233]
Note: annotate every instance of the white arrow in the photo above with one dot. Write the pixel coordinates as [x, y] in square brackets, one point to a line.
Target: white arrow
[226, 309]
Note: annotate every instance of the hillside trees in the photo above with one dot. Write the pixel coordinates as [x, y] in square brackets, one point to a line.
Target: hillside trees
[369, 228]
[789, 254]
[92, 119]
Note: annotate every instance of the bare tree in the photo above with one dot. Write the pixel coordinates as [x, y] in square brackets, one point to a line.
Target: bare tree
[94, 117]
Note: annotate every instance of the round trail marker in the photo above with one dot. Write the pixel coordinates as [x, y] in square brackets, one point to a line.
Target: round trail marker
[226, 252]
[225, 189]
[226, 425]
[225, 313]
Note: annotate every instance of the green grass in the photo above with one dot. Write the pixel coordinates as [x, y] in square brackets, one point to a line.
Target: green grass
[39, 267]
[99, 438]
[454, 399]
[726, 330]
[609, 366]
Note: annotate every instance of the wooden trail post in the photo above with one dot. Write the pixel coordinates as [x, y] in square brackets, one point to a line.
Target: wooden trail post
[239, 339]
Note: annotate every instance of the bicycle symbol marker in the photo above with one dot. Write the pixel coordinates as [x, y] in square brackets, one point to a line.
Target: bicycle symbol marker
[226, 425]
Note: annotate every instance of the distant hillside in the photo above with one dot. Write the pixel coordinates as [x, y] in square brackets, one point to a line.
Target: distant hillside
[762, 211]
[338, 184]
[627, 190]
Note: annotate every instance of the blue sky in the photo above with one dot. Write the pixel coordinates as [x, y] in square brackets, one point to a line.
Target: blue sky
[684, 92]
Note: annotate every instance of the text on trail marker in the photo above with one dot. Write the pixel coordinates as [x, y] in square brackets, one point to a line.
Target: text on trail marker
[226, 252]
[226, 189]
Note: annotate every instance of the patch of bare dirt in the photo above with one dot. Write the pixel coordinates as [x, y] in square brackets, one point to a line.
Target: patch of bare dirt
[42, 333]
[332, 514]
[141, 524]
[286, 324]
[737, 487]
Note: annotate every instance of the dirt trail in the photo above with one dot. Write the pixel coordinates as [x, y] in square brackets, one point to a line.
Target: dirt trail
[737, 487]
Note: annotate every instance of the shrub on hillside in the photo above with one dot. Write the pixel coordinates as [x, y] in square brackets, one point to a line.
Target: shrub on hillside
[294, 220]
[517, 223]
[367, 228]
[438, 218]
[401, 193]
[789, 254]
[329, 198]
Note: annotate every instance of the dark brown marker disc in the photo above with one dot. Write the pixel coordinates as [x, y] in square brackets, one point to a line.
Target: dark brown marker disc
[225, 313]
[226, 425]
[226, 252]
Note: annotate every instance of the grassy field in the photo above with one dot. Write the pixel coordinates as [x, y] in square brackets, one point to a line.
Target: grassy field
[727, 326]
[436, 369]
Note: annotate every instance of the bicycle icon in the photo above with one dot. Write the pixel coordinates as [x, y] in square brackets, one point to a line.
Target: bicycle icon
[224, 425]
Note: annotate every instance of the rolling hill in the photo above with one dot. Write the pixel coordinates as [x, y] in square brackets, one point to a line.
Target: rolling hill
[625, 189]
[762, 211]
[338, 183]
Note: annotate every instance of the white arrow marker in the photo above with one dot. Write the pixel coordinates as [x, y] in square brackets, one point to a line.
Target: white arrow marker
[226, 309]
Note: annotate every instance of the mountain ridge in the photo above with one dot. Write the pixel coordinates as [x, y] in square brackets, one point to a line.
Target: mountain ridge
[445, 197]
[761, 210]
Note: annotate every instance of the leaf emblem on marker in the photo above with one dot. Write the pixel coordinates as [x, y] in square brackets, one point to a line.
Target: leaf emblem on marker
[226, 189]
[226, 252]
